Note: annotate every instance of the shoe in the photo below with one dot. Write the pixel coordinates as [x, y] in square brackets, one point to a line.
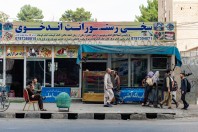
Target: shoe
[187, 107]
[43, 110]
[169, 108]
[106, 106]
[161, 105]
[177, 105]
[155, 106]
[109, 105]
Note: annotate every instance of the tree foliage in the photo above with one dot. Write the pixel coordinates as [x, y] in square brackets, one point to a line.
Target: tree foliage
[76, 16]
[148, 13]
[30, 14]
[3, 17]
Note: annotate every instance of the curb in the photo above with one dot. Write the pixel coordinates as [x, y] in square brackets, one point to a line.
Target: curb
[93, 116]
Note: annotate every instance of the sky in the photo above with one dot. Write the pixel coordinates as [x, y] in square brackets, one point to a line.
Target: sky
[102, 10]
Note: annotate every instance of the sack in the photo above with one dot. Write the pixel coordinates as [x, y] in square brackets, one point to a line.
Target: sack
[188, 85]
[175, 86]
[149, 81]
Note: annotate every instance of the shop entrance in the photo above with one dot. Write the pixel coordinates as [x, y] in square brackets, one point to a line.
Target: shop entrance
[92, 81]
[35, 68]
[138, 71]
[14, 75]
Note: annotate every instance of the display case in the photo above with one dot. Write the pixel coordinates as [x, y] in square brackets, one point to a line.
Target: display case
[93, 86]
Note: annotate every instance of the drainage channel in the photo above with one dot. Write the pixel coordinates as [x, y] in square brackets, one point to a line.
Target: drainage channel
[19, 115]
[99, 116]
[125, 116]
[72, 116]
[151, 115]
[45, 115]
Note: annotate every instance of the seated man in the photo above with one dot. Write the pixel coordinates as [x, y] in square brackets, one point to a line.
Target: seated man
[35, 97]
[37, 86]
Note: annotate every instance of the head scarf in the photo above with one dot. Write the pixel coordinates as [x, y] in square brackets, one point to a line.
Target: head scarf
[156, 77]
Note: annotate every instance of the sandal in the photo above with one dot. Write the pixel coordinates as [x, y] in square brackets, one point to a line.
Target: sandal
[43, 110]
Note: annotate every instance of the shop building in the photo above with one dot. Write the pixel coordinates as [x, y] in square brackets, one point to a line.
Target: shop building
[64, 54]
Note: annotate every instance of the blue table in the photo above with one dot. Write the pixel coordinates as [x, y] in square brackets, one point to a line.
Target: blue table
[130, 95]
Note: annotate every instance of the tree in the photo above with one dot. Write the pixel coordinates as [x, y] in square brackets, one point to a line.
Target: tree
[76, 16]
[3, 17]
[149, 13]
[30, 14]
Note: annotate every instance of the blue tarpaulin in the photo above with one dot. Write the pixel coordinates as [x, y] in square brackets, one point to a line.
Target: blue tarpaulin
[113, 49]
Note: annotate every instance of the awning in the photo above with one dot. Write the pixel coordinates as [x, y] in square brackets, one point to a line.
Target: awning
[113, 49]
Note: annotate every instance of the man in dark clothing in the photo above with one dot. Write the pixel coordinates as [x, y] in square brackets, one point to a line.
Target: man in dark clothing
[35, 97]
[184, 90]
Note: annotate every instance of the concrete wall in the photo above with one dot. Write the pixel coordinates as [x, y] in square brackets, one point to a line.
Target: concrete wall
[190, 65]
[165, 10]
[185, 13]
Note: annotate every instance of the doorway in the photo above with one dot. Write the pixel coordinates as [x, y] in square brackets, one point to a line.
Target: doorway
[138, 71]
[35, 68]
[14, 75]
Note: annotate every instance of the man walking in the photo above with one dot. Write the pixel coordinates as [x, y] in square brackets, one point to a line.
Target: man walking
[167, 90]
[108, 86]
[184, 90]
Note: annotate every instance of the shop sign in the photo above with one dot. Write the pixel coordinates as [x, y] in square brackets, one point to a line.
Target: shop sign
[133, 33]
[130, 95]
[52, 92]
[66, 52]
[87, 56]
[14, 51]
[39, 52]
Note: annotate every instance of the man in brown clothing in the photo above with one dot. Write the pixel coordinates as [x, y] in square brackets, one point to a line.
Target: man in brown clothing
[167, 90]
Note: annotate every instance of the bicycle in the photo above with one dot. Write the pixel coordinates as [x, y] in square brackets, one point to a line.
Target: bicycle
[4, 100]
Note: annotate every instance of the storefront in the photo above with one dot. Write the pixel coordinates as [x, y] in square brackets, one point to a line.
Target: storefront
[61, 54]
[23, 63]
[132, 63]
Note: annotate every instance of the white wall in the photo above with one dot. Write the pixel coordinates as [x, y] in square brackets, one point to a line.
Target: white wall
[185, 13]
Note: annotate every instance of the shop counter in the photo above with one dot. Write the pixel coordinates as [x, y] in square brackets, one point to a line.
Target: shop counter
[52, 92]
[93, 97]
[132, 94]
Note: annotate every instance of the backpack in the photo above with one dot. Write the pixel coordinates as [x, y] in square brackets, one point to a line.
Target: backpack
[188, 86]
[149, 81]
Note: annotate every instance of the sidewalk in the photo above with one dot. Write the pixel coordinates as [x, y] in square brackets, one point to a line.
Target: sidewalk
[97, 111]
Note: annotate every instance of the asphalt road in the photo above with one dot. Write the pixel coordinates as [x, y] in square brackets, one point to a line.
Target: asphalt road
[42, 125]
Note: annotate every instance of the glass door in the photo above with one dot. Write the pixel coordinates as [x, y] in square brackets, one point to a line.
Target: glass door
[138, 71]
[35, 68]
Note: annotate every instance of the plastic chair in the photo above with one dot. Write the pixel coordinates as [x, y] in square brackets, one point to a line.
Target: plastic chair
[28, 101]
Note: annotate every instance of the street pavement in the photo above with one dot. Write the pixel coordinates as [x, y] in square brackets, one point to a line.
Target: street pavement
[79, 107]
[40, 125]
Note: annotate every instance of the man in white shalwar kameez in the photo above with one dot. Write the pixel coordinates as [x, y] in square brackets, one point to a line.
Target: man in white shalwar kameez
[108, 89]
